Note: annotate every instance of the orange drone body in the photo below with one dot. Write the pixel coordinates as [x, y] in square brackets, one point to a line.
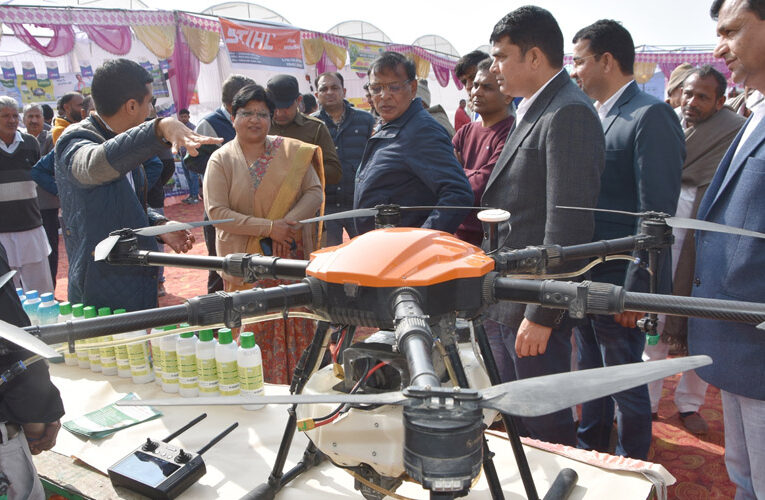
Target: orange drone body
[398, 257]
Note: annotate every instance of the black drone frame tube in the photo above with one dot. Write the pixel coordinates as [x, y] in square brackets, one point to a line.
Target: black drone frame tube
[205, 310]
[237, 264]
[415, 340]
[602, 298]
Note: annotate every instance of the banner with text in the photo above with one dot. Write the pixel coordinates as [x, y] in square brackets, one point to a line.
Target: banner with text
[362, 54]
[257, 45]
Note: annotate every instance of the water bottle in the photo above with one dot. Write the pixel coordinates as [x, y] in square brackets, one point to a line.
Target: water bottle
[79, 312]
[225, 364]
[121, 352]
[30, 305]
[207, 373]
[65, 314]
[187, 365]
[250, 363]
[169, 361]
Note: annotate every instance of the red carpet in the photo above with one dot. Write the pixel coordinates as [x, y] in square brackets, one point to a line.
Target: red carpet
[697, 464]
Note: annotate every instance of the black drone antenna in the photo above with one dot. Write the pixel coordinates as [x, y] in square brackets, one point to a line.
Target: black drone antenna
[217, 438]
[184, 428]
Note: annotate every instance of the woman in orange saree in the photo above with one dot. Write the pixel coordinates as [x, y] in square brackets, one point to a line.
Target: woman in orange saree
[266, 184]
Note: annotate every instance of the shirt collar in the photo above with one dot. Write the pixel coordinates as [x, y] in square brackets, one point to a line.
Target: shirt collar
[604, 108]
[525, 104]
[11, 148]
[226, 113]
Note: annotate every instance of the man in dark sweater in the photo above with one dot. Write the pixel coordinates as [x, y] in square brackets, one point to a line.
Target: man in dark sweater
[21, 229]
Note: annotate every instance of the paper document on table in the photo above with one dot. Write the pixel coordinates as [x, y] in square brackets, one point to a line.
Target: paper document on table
[109, 419]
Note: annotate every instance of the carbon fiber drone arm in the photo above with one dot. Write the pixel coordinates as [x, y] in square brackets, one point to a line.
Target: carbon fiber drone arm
[601, 298]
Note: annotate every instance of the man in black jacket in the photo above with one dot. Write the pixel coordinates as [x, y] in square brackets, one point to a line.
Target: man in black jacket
[350, 129]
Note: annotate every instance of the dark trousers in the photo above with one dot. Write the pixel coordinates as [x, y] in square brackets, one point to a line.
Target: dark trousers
[556, 427]
[50, 223]
[604, 342]
[214, 281]
[334, 228]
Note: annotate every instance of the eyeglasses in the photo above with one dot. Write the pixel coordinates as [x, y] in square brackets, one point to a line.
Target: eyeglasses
[393, 87]
[246, 115]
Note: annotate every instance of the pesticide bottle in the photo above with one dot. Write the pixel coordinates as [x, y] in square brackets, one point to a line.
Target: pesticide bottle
[225, 364]
[250, 365]
[207, 373]
[121, 353]
[20, 293]
[169, 361]
[87, 313]
[65, 314]
[156, 354]
[138, 358]
[30, 305]
[78, 313]
[187, 365]
[104, 355]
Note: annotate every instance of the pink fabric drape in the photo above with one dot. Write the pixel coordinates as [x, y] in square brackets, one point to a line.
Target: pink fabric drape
[62, 41]
[113, 39]
[183, 73]
[457, 81]
[325, 65]
[667, 67]
[441, 73]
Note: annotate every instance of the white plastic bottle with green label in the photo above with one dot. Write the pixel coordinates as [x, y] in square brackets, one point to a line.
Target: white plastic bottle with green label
[207, 372]
[138, 358]
[187, 365]
[156, 354]
[169, 361]
[64, 315]
[250, 363]
[78, 313]
[225, 364]
[107, 355]
[121, 353]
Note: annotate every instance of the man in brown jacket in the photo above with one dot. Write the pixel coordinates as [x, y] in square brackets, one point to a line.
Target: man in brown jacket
[710, 127]
[288, 121]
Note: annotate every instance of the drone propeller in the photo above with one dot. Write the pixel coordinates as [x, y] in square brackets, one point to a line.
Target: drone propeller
[371, 212]
[105, 246]
[29, 342]
[5, 278]
[679, 222]
[525, 398]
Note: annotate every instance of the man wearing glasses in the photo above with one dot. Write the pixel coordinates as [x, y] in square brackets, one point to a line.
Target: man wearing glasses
[288, 121]
[410, 160]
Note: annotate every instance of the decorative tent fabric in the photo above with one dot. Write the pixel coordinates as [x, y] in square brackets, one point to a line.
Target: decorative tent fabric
[327, 51]
[443, 67]
[202, 35]
[668, 61]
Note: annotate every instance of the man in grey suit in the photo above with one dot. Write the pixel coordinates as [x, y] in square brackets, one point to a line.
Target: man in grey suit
[553, 156]
[645, 150]
[732, 267]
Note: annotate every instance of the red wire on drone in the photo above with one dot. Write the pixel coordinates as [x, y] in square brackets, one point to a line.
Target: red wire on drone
[336, 350]
[337, 412]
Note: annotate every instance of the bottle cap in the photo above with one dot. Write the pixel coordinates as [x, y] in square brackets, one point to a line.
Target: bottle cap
[205, 335]
[104, 311]
[187, 335]
[47, 297]
[184, 325]
[224, 336]
[169, 327]
[119, 311]
[77, 310]
[247, 340]
[89, 312]
[32, 294]
[19, 292]
[64, 308]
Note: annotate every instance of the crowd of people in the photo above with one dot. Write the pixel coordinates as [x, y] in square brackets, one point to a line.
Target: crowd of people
[589, 139]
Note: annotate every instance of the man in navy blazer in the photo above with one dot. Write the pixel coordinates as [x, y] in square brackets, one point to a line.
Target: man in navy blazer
[553, 156]
[645, 151]
[733, 267]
